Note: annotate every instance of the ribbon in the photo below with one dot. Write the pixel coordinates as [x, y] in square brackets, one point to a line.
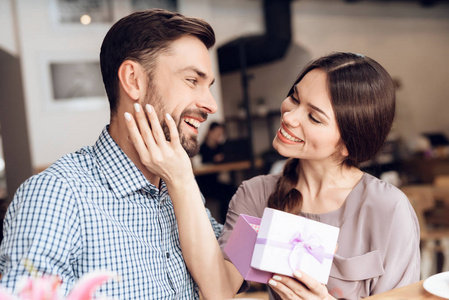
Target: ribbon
[299, 244]
[311, 244]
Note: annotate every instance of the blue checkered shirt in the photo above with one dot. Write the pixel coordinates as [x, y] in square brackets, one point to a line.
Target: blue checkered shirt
[93, 209]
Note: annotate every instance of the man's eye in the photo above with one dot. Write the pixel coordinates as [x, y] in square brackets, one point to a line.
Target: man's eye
[193, 81]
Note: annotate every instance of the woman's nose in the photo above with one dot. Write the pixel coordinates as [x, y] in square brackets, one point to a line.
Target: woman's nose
[291, 118]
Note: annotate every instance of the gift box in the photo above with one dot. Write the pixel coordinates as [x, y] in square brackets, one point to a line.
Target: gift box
[240, 247]
[288, 242]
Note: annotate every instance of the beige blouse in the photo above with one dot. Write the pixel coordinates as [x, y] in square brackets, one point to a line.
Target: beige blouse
[378, 244]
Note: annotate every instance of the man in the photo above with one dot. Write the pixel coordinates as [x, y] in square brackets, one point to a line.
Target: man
[212, 151]
[100, 208]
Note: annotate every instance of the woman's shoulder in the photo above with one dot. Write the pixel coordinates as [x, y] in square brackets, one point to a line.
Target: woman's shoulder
[261, 183]
[252, 196]
[376, 185]
[378, 193]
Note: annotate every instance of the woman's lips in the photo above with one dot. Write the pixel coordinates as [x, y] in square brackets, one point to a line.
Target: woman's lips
[288, 136]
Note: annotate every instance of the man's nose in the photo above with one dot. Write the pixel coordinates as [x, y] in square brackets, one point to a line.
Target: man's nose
[207, 102]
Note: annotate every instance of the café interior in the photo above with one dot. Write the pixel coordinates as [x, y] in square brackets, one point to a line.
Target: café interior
[53, 102]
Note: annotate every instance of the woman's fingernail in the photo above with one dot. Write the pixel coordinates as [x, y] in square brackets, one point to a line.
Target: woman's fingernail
[137, 107]
[168, 116]
[128, 116]
[297, 274]
[272, 282]
[276, 277]
[149, 108]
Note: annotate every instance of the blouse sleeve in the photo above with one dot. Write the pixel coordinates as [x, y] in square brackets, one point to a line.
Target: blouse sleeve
[401, 257]
[250, 199]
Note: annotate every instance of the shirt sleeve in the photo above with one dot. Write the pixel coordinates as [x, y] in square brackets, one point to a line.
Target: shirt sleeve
[216, 227]
[402, 256]
[41, 232]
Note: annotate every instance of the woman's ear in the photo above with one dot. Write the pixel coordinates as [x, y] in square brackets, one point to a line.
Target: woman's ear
[344, 150]
[132, 79]
[341, 149]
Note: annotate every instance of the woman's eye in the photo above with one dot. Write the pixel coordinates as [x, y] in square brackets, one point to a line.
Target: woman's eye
[313, 119]
[292, 97]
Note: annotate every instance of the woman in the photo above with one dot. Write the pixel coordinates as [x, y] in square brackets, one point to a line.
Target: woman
[337, 114]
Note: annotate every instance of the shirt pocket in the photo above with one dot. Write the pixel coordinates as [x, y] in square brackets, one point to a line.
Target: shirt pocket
[357, 268]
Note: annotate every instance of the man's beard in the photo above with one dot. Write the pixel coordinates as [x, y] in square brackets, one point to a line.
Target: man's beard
[190, 144]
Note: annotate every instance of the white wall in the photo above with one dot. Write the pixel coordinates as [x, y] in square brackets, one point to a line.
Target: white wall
[410, 41]
[234, 18]
[54, 131]
[55, 128]
[203, 9]
[7, 34]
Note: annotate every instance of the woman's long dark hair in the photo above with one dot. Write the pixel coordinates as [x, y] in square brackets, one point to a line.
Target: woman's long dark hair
[363, 99]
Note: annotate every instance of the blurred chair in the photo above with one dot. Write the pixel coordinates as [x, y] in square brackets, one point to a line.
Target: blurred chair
[434, 239]
[440, 215]
[441, 181]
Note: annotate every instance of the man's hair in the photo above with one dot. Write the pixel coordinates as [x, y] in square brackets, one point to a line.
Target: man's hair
[141, 37]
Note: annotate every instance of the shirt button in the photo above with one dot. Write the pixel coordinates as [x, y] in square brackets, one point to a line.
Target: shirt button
[152, 192]
[168, 255]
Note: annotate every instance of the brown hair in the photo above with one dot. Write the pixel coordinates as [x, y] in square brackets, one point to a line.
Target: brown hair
[141, 36]
[363, 99]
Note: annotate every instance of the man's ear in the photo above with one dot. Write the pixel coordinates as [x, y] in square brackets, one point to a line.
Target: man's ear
[132, 79]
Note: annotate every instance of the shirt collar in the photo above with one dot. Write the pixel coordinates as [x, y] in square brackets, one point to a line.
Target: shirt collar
[123, 177]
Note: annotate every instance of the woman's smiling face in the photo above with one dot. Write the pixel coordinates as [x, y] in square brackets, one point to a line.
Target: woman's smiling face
[308, 128]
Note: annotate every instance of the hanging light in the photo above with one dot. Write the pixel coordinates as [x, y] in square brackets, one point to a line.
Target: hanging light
[85, 19]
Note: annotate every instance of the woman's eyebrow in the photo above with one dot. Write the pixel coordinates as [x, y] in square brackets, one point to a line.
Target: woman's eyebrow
[311, 105]
[318, 110]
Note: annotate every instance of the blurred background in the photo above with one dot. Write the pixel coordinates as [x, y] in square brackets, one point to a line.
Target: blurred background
[52, 100]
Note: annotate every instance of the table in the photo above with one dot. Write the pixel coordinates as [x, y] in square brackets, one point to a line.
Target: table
[441, 193]
[253, 296]
[223, 167]
[413, 291]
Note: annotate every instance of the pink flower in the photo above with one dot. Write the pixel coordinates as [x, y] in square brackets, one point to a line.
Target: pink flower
[40, 288]
[47, 287]
[5, 295]
[85, 287]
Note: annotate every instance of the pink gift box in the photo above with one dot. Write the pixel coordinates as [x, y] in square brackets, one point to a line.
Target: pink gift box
[240, 246]
[288, 242]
